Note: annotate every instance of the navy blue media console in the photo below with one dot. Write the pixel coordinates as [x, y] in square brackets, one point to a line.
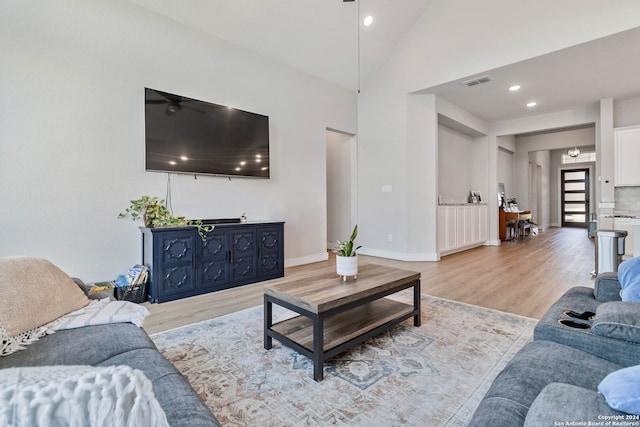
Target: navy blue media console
[182, 264]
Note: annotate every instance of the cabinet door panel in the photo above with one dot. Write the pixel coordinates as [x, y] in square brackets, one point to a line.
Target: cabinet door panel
[213, 267]
[243, 254]
[452, 228]
[212, 273]
[627, 152]
[270, 252]
[176, 280]
[483, 233]
[175, 276]
[215, 245]
[177, 247]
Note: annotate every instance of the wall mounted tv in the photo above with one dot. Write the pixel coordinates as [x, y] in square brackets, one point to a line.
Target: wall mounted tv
[184, 135]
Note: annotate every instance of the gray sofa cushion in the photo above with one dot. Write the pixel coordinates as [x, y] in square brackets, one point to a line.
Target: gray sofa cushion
[560, 403]
[619, 319]
[538, 364]
[582, 299]
[115, 344]
[90, 345]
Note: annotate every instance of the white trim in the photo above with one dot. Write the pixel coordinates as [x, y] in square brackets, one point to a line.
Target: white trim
[400, 256]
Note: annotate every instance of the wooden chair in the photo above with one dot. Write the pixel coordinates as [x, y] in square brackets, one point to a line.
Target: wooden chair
[524, 225]
[512, 229]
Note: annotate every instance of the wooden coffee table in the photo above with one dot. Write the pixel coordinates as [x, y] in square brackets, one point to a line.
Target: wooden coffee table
[335, 315]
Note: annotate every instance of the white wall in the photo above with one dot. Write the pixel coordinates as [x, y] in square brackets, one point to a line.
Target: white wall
[72, 81]
[626, 112]
[506, 164]
[447, 42]
[455, 164]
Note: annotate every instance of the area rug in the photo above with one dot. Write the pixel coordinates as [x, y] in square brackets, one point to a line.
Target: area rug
[432, 375]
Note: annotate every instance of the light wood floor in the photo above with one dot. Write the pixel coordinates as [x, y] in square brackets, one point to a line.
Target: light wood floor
[521, 277]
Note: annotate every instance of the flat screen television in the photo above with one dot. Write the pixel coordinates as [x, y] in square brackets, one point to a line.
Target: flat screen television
[184, 135]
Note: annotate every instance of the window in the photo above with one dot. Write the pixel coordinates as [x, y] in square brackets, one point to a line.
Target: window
[582, 158]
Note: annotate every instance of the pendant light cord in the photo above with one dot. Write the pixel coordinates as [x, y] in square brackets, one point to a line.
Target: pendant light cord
[167, 199]
[358, 27]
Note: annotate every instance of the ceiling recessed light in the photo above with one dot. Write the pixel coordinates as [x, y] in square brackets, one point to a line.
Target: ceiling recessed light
[532, 104]
[368, 21]
[514, 88]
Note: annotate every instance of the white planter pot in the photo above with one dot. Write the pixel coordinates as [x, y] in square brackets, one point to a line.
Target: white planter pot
[347, 266]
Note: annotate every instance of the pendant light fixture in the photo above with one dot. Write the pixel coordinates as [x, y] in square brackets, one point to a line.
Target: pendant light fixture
[573, 152]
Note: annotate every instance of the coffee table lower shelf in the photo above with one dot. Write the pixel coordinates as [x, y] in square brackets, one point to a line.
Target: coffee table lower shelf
[341, 331]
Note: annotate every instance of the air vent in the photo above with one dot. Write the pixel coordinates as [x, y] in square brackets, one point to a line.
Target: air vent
[478, 80]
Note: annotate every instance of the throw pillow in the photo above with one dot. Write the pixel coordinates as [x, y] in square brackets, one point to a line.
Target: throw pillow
[629, 277]
[618, 319]
[621, 389]
[33, 292]
[78, 396]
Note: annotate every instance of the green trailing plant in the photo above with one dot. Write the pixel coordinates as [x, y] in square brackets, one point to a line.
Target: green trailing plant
[347, 247]
[154, 214]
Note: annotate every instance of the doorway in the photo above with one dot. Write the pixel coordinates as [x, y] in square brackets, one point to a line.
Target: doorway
[341, 186]
[575, 197]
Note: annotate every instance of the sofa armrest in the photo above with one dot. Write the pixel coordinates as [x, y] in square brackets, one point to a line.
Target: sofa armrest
[607, 287]
[81, 285]
[618, 320]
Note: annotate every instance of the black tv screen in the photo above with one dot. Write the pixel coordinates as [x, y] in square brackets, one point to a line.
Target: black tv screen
[184, 135]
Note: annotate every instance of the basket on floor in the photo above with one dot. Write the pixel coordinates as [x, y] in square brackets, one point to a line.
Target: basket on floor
[135, 293]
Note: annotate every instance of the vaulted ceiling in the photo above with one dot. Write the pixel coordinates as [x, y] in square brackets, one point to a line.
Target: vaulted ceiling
[325, 38]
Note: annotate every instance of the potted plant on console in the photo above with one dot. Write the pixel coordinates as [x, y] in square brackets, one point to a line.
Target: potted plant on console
[155, 214]
[347, 256]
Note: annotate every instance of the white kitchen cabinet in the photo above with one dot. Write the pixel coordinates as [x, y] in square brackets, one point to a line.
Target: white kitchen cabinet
[627, 153]
[464, 223]
[481, 229]
[461, 227]
[447, 228]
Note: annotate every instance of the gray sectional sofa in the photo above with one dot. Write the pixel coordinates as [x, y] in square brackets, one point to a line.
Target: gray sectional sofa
[119, 344]
[554, 379]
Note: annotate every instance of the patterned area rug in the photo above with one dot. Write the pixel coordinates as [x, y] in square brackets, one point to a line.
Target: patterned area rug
[432, 375]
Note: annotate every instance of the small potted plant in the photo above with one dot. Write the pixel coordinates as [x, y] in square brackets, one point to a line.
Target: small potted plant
[347, 256]
[155, 214]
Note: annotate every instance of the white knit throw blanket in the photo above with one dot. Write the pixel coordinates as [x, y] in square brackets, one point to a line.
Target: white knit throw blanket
[114, 396]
